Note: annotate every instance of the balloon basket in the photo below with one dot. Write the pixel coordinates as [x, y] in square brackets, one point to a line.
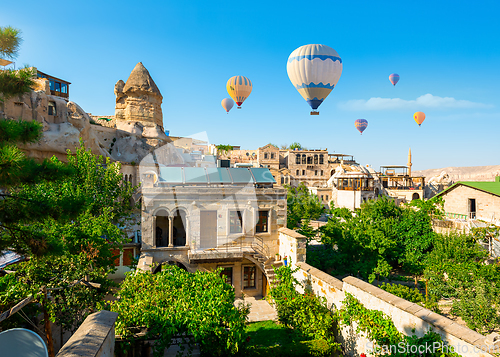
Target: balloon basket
[314, 113]
[239, 107]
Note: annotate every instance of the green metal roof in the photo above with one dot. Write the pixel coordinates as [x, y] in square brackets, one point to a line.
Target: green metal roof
[486, 186]
[262, 175]
[215, 175]
[194, 175]
[171, 175]
[241, 175]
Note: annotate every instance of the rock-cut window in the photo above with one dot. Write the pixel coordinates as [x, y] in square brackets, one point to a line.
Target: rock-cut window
[52, 108]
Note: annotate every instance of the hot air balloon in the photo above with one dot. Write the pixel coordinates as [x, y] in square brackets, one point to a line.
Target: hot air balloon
[314, 70]
[394, 78]
[419, 117]
[227, 104]
[239, 88]
[361, 125]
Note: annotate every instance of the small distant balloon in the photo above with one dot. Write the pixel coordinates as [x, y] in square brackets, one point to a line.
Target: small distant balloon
[394, 78]
[361, 125]
[227, 104]
[239, 88]
[419, 117]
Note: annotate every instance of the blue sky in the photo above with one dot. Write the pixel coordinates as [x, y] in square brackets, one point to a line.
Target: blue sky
[446, 53]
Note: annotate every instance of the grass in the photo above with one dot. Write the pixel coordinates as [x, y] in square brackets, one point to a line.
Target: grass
[268, 339]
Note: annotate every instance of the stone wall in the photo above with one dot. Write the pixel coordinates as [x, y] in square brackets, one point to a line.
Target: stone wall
[94, 338]
[409, 318]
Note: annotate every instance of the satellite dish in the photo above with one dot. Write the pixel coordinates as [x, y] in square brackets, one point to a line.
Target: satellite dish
[22, 342]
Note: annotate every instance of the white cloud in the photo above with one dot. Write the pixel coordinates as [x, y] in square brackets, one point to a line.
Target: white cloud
[422, 102]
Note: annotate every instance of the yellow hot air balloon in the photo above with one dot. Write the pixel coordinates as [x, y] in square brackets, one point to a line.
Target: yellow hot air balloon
[419, 117]
[239, 88]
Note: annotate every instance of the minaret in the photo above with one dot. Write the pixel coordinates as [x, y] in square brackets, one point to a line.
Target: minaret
[409, 163]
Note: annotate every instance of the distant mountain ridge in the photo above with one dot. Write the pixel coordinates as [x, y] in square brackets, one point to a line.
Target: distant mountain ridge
[466, 173]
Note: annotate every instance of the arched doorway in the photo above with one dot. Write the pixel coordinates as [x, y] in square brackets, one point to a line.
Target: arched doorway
[179, 230]
[415, 196]
[162, 228]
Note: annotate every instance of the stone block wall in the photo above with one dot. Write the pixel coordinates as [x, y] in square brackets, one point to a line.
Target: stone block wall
[94, 338]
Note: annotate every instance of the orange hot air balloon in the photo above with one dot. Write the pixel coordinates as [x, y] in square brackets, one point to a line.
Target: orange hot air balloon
[419, 117]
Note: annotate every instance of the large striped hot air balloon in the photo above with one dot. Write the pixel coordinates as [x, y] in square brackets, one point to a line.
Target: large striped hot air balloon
[361, 125]
[314, 70]
[394, 78]
[239, 88]
[227, 104]
[419, 117]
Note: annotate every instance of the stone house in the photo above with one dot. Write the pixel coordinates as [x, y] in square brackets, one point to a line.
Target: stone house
[205, 218]
[397, 182]
[310, 167]
[473, 200]
[269, 156]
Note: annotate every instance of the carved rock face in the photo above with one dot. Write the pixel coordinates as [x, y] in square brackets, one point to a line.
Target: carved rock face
[139, 99]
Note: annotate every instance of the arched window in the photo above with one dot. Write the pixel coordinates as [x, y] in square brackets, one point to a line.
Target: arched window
[297, 159]
[321, 159]
[303, 158]
[315, 159]
[309, 160]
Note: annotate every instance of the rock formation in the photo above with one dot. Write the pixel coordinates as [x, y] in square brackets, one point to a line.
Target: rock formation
[138, 104]
[134, 132]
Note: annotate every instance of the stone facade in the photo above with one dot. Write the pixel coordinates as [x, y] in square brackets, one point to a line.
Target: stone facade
[176, 219]
[457, 200]
[269, 156]
[310, 167]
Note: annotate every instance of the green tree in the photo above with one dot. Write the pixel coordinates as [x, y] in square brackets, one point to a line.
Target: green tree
[13, 83]
[223, 149]
[10, 42]
[71, 247]
[379, 237]
[174, 302]
[456, 269]
[301, 204]
[295, 145]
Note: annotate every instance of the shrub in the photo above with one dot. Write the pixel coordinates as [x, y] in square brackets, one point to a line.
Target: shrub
[306, 313]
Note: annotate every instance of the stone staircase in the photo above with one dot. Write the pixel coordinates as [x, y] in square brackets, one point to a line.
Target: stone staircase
[267, 265]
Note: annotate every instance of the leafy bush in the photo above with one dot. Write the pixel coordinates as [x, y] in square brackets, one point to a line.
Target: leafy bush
[413, 295]
[306, 313]
[174, 302]
[456, 269]
[476, 306]
[404, 292]
[379, 237]
[302, 205]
